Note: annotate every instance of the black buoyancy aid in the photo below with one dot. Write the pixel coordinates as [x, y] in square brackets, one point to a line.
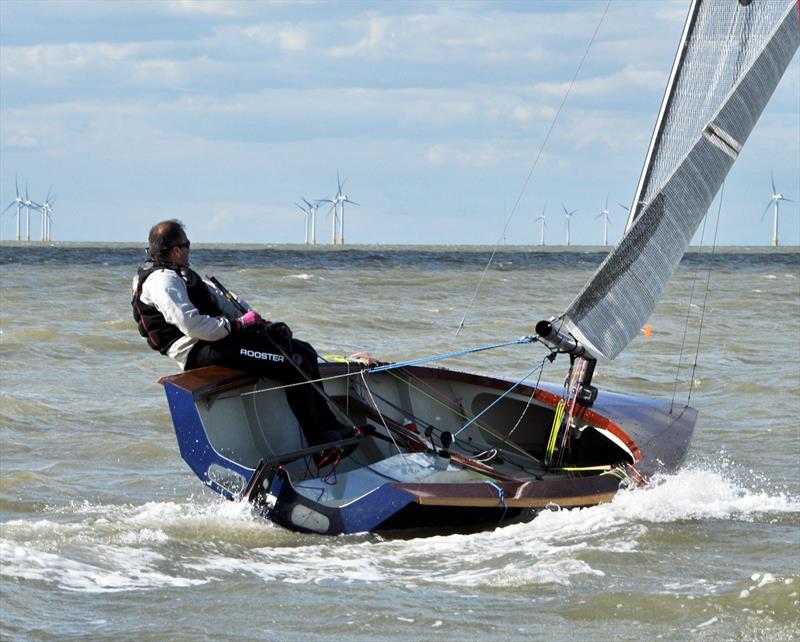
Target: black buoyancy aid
[153, 326]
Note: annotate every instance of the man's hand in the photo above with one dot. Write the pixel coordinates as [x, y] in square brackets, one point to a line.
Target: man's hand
[279, 331]
[247, 320]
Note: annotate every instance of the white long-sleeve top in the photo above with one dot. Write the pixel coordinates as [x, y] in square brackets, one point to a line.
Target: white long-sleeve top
[166, 291]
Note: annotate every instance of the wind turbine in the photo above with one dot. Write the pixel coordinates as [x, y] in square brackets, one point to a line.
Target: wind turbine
[50, 218]
[568, 216]
[312, 211]
[341, 199]
[335, 209]
[544, 224]
[28, 203]
[47, 209]
[777, 197]
[307, 214]
[18, 201]
[606, 220]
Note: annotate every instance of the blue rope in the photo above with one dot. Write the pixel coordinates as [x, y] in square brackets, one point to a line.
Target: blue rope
[449, 355]
[485, 410]
[501, 494]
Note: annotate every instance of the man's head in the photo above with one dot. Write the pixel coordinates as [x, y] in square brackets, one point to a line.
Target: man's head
[168, 243]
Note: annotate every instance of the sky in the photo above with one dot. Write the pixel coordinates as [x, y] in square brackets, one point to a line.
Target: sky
[223, 114]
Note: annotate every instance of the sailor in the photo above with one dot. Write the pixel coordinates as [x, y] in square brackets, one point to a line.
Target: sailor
[190, 320]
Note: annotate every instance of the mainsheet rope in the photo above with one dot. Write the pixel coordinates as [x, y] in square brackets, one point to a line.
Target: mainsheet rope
[400, 364]
[461, 353]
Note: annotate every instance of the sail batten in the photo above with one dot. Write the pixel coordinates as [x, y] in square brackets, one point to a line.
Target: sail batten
[734, 58]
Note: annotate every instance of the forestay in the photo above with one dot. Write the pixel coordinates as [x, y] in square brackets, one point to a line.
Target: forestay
[731, 58]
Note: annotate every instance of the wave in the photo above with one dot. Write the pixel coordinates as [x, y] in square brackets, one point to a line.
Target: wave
[100, 547]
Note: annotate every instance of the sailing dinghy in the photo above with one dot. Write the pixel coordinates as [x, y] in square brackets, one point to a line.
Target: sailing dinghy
[447, 450]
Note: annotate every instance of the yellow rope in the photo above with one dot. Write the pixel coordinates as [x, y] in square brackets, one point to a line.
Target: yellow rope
[551, 443]
[606, 467]
[617, 472]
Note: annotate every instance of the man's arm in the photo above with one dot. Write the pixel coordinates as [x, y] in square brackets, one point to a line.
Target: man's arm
[165, 290]
[224, 304]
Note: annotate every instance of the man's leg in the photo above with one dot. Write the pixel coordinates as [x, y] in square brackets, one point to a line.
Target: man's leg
[256, 353]
[305, 357]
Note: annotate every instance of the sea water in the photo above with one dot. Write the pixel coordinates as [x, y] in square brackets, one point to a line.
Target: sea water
[106, 534]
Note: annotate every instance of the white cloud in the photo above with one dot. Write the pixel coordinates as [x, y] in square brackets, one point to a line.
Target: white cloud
[220, 218]
[610, 131]
[470, 154]
[159, 73]
[224, 221]
[258, 32]
[522, 113]
[512, 105]
[60, 64]
[652, 79]
[293, 39]
[676, 16]
[629, 79]
[373, 40]
[22, 141]
[448, 34]
[286, 38]
[437, 154]
[204, 7]
[391, 108]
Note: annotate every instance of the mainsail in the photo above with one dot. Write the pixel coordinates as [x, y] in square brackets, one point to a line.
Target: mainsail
[731, 58]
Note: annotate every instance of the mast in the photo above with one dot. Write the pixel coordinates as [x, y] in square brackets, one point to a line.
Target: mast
[658, 130]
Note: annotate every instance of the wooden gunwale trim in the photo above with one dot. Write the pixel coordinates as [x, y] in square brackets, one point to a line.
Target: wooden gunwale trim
[514, 495]
[231, 385]
[573, 492]
[209, 380]
[577, 501]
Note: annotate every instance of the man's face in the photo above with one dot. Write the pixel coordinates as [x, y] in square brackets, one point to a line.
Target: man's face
[179, 253]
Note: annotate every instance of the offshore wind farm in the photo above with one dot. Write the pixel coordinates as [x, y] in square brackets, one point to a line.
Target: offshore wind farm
[20, 208]
[23, 229]
[22, 225]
